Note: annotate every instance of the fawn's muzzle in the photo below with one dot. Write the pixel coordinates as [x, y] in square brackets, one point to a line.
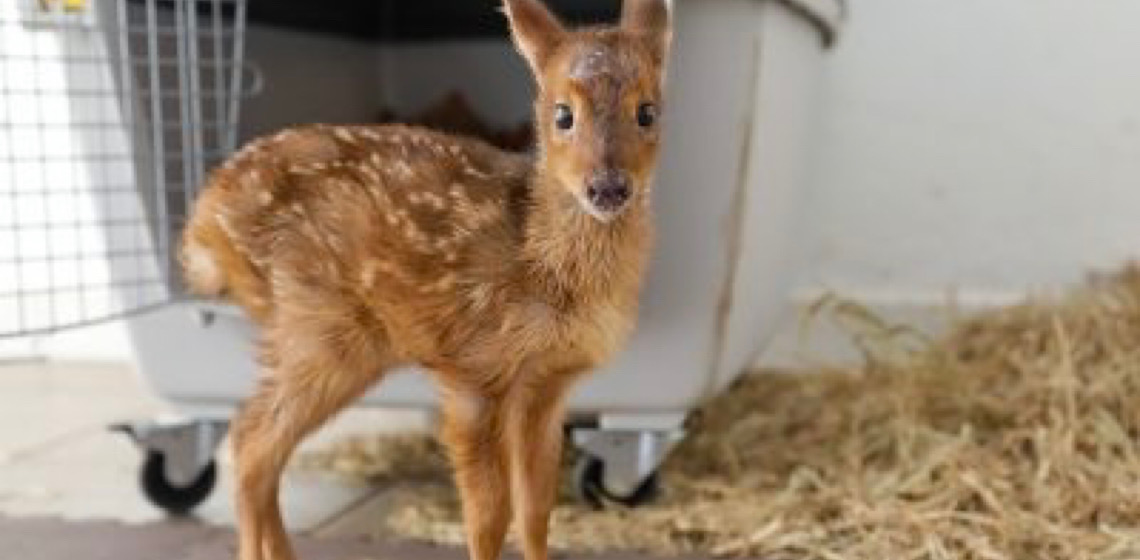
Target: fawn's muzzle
[608, 191]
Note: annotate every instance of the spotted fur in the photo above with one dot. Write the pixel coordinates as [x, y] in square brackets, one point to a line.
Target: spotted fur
[360, 248]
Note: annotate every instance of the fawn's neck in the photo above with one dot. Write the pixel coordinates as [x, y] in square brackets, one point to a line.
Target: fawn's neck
[572, 255]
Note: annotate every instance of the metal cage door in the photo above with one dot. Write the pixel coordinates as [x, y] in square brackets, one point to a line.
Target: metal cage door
[111, 113]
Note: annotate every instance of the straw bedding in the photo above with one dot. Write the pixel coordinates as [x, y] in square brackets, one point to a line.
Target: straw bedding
[1013, 436]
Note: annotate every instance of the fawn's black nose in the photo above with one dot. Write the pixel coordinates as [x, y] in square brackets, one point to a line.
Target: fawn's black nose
[608, 190]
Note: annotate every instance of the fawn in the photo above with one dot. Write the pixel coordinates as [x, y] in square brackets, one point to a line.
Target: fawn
[357, 249]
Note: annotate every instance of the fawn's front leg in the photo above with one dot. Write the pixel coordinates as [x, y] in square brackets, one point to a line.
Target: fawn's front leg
[534, 447]
[472, 431]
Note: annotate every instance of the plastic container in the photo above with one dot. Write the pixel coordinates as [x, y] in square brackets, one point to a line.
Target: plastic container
[740, 108]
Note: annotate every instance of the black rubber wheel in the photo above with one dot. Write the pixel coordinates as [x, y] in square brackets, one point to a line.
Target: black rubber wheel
[591, 489]
[175, 500]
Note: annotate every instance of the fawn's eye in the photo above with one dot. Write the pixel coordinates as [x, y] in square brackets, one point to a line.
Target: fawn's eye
[563, 117]
[646, 115]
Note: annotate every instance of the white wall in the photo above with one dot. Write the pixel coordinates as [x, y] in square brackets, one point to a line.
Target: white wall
[985, 145]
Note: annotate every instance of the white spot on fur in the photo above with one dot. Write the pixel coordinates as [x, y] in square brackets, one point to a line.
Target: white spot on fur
[370, 173]
[457, 192]
[204, 272]
[443, 244]
[404, 169]
[475, 216]
[433, 200]
[443, 284]
[477, 173]
[370, 272]
[479, 296]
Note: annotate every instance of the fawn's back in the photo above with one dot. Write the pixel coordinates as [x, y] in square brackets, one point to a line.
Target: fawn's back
[394, 222]
[449, 252]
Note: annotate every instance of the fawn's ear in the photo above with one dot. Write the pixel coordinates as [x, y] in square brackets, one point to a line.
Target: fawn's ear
[535, 30]
[649, 18]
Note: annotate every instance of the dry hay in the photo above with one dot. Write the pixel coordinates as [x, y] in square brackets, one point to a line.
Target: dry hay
[1014, 436]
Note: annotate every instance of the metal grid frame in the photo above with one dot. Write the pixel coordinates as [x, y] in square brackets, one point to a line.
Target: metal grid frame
[111, 112]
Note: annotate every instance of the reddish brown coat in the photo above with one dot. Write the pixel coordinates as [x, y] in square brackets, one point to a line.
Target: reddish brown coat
[360, 248]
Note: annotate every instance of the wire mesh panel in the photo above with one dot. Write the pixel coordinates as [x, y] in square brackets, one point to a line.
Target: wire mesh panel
[111, 113]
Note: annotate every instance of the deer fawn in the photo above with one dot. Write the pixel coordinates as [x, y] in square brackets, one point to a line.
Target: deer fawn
[360, 248]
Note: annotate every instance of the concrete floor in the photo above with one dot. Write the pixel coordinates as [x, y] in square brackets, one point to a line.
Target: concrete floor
[40, 539]
[62, 472]
[68, 486]
[54, 417]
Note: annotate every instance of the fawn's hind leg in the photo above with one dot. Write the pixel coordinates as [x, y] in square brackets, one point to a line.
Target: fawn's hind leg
[316, 364]
[472, 431]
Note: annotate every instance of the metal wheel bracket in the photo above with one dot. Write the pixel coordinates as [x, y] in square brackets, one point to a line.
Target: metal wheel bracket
[630, 456]
[187, 445]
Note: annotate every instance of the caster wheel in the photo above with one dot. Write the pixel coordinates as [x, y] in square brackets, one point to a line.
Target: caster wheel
[174, 499]
[589, 484]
